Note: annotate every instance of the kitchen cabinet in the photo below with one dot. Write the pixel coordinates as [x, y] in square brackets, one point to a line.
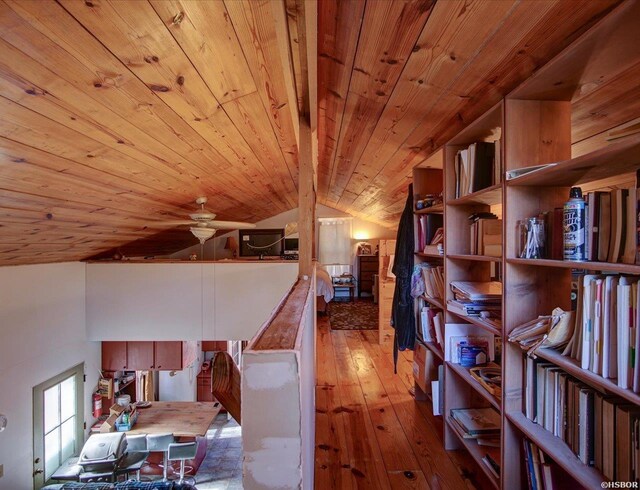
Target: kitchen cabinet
[145, 355]
[168, 355]
[140, 356]
[214, 345]
[114, 356]
[204, 387]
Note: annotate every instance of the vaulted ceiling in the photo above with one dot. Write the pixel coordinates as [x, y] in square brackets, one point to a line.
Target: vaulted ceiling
[116, 115]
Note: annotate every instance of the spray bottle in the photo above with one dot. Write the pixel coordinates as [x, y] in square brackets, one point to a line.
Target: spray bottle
[574, 225]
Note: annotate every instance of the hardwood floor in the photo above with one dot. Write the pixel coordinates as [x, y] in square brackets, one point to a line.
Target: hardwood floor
[370, 432]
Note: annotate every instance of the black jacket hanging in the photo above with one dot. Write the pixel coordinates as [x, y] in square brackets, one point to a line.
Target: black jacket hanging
[402, 315]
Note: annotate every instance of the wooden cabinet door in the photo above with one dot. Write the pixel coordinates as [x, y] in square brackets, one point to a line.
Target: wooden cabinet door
[140, 356]
[114, 356]
[168, 355]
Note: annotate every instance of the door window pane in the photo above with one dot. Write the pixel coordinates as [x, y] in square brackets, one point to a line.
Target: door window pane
[51, 452]
[67, 399]
[51, 408]
[68, 438]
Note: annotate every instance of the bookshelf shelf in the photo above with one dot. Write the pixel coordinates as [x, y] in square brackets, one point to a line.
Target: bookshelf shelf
[435, 348]
[572, 367]
[475, 258]
[615, 159]
[487, 325]
[464, 373]
[553, 446]
[438, 208]
[489, 196]
[429, 256]
[478, 452]
[437, 302]
[569, 264]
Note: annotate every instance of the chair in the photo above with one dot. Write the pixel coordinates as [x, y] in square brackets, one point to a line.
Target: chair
[136, 455]
[160, 442]
[181, 451]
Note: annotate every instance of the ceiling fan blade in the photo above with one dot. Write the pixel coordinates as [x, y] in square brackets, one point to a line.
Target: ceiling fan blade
[230, 225]
[173, 223]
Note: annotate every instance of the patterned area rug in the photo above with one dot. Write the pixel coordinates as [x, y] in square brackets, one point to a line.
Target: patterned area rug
[357, 315]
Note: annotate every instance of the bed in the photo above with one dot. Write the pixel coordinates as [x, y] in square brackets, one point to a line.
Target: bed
[324, 289]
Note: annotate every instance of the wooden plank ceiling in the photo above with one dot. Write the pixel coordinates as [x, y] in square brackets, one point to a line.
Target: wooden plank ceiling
[116, 115]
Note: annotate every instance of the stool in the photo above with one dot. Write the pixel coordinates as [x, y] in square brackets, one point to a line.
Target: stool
[181, 451]
[160, 442]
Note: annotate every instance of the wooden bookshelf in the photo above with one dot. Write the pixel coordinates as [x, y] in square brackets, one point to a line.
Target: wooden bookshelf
[429, 256]
[484, 324]
[490, 196]
[438, 208]
[427, 179]
[436, 349]
[569, 264]
[561, 454]
[476, 258]
[572, 367]
[464, 373]
[478, 452]
[437, 302]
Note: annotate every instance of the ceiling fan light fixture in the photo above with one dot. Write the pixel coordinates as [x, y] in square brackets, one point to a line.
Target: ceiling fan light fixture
[202, 233]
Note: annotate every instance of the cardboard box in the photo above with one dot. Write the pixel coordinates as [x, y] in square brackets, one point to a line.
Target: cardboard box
[116, 410]
[109, 425]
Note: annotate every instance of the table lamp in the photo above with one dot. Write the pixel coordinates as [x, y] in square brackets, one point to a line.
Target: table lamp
[232, 244]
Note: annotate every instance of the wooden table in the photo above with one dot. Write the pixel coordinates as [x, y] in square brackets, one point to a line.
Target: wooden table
[182, 419]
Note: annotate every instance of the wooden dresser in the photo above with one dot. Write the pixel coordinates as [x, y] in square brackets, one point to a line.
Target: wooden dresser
[367, 267]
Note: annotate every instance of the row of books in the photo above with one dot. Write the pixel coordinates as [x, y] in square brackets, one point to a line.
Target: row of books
[602, 431]
[433, 280]
[477, 167]
[485, 235]
[605, 339]
[428, 226]
[612, 222]
[542, 472]
[476, 299]
[431, 325]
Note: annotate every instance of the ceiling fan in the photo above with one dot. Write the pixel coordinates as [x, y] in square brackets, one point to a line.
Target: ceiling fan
[204, 225]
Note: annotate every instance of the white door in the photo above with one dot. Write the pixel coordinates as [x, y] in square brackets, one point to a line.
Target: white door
[57, 422]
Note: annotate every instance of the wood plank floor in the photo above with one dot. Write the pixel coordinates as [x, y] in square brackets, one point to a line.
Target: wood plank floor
[370, 432]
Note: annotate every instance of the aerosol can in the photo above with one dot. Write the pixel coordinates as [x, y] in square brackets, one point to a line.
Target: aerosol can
[574, 225]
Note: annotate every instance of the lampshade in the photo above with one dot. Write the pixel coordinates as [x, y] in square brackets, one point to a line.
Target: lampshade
[202, 233]
[291, 228]
[231, 243]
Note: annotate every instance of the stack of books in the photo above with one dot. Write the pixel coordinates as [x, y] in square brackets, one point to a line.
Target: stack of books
[605, 339]
[477, 167]
[427, 226]
[602, 431]
[482, 424]
[431, 325]
[485, 235]
[474, 298]
[433, 281]
[436, 246]
[542, 472]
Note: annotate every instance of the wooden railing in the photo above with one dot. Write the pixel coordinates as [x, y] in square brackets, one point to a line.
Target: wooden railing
[278, 395]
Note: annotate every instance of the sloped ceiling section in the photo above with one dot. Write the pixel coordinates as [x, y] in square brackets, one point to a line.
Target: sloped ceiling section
[396, 80]
[116, 115]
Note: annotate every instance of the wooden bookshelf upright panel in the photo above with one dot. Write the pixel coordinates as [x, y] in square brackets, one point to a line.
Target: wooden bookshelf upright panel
[461, 390]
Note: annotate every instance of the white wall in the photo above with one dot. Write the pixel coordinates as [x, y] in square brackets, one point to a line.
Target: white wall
[184, 301]
[278, 411]
[183, 385]
[42, 333]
